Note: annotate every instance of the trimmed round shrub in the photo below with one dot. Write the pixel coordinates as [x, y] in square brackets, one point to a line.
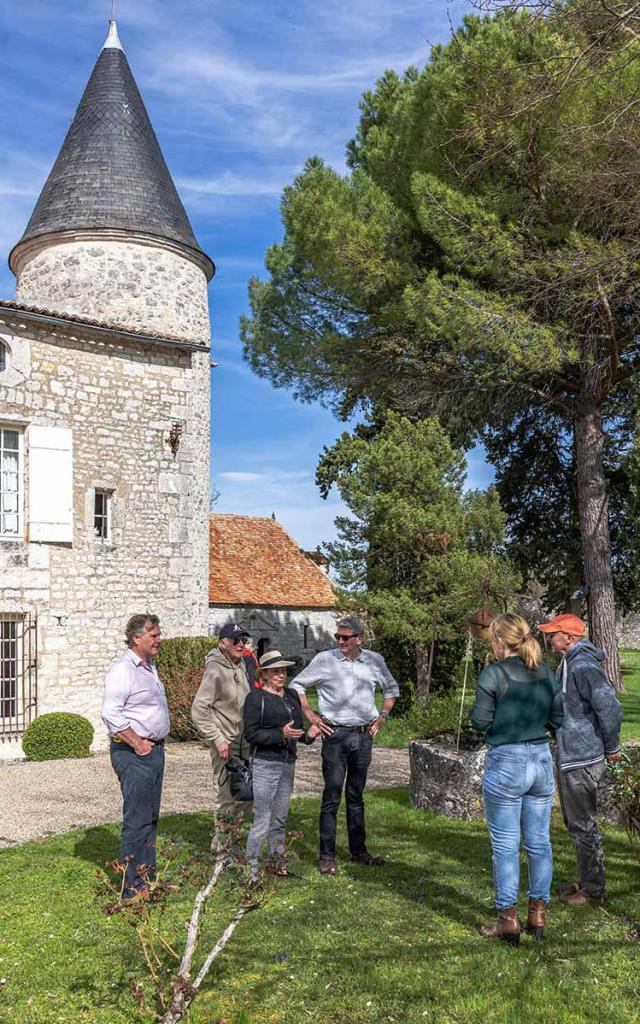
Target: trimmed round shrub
[57, 735]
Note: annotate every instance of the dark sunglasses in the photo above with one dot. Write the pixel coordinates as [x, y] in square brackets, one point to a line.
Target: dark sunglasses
[341, 636]
[242, 640]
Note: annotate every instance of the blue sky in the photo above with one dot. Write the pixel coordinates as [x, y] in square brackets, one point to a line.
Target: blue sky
[240, 95]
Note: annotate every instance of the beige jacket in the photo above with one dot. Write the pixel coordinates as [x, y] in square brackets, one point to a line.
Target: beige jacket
[218, 705]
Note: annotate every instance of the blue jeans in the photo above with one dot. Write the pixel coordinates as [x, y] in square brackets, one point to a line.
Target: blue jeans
[140, 780]
[518, 792]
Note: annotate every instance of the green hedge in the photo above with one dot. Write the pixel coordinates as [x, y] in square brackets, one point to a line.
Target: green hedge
[180, 663]
[59, 734]
[183, 652]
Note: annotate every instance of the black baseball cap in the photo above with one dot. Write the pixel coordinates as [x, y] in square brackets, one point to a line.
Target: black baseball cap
[232, 631]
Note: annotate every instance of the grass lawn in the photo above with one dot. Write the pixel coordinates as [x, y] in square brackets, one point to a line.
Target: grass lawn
[369, 946]
[631, 697]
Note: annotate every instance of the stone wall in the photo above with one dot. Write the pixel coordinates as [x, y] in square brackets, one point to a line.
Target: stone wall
[449, 782]
[129, 283]
[122, 400]
[298, 633]
[628, 631]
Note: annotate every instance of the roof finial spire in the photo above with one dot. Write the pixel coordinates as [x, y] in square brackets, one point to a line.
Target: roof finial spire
[113, 41]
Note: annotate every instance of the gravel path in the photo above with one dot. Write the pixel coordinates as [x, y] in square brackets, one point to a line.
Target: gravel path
[39, 799]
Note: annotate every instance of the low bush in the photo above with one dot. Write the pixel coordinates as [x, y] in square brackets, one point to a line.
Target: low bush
[59, 734]
[439, 715]
[626, 792]
[180, 664]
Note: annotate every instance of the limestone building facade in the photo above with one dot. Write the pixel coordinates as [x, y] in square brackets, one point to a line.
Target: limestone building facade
[260, 578]
[104, 412]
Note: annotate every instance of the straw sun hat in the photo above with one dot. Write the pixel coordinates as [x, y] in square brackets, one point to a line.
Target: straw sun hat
[272, 659]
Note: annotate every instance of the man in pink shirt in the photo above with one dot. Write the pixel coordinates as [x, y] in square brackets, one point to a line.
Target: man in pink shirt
[135, 712]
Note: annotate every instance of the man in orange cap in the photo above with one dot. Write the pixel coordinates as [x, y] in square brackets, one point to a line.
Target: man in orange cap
[589, 734]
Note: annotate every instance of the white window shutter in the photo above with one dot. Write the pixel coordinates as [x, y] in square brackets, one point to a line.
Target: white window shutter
[50, 484]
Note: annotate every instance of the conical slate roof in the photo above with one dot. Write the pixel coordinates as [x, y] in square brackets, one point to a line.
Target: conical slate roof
[110, 171]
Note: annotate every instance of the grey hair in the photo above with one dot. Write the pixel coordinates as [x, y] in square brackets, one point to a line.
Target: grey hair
[137, 625]
[353, 623]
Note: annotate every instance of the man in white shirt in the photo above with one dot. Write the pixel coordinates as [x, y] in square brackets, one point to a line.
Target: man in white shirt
[346, 679]
[135, 712]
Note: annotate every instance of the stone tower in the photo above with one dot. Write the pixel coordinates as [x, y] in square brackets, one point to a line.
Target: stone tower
[104, 411]
[109, 237]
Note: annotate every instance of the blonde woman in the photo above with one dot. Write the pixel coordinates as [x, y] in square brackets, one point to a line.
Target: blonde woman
[517, 701]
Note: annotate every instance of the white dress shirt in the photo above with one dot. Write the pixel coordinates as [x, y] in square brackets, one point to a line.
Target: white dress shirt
[134, 698]
[346, 688]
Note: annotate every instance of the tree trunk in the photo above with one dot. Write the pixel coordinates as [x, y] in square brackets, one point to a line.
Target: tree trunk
[594, 530]
[423, 674]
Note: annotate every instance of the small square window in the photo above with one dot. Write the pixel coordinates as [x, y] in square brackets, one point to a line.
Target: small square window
[102, 514]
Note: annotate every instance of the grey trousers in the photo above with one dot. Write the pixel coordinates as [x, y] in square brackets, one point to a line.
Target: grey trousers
[225, 808]
[578, 791]
[272, 787]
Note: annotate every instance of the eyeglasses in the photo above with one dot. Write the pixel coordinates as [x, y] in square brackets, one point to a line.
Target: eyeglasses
[342, 638]
[239, 643]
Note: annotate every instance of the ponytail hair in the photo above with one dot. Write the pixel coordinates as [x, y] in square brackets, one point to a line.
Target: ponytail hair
[515, 633]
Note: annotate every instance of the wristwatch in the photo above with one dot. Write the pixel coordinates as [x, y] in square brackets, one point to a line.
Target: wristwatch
[384, 714]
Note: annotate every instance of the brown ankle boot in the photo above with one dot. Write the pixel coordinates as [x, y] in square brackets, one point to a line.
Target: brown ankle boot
[507, 927]
[536, 919]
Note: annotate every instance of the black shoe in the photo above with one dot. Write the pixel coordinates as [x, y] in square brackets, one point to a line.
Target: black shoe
[369, 859]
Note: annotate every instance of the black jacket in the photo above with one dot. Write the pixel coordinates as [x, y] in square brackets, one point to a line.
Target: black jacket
[265, 714]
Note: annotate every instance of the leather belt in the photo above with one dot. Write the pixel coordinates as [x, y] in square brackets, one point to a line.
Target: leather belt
[156, 743]
[347, 728]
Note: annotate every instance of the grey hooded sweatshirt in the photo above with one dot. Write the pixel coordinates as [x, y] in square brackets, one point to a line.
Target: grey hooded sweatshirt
[592, 712]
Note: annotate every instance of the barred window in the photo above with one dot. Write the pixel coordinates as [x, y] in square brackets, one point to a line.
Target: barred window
[10, 483]
[3, 357]
[102, 514]
[8, 671]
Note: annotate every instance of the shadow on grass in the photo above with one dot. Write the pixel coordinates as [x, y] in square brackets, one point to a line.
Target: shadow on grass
[100, 844]
[97, 845]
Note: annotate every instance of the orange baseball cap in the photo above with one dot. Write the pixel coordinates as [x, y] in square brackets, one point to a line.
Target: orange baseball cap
[566, 623]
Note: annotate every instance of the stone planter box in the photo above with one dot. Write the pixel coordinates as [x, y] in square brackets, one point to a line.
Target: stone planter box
[445, 781]
[450, 783]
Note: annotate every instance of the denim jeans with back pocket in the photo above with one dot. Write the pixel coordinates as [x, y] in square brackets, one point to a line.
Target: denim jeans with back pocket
[518, 793]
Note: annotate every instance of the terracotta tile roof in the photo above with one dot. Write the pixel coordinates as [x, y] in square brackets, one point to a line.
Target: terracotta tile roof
[71, 318]
[254, 561]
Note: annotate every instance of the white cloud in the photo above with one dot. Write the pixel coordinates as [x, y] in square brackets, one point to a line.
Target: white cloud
[245, 81]
[231, 183]
[242, 477]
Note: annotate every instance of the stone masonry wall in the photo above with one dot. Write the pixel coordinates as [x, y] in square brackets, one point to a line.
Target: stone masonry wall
[121, 401]
[124, 283]
[284, 628]
[628, 630]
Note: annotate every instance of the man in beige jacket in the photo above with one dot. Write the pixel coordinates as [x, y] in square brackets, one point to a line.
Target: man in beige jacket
[217, 713]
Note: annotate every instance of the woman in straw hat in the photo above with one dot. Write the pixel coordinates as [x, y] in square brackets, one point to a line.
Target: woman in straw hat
[517, 701]
[272, 725]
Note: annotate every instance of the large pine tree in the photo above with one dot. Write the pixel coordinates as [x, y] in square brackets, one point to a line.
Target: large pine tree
[480, 261]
